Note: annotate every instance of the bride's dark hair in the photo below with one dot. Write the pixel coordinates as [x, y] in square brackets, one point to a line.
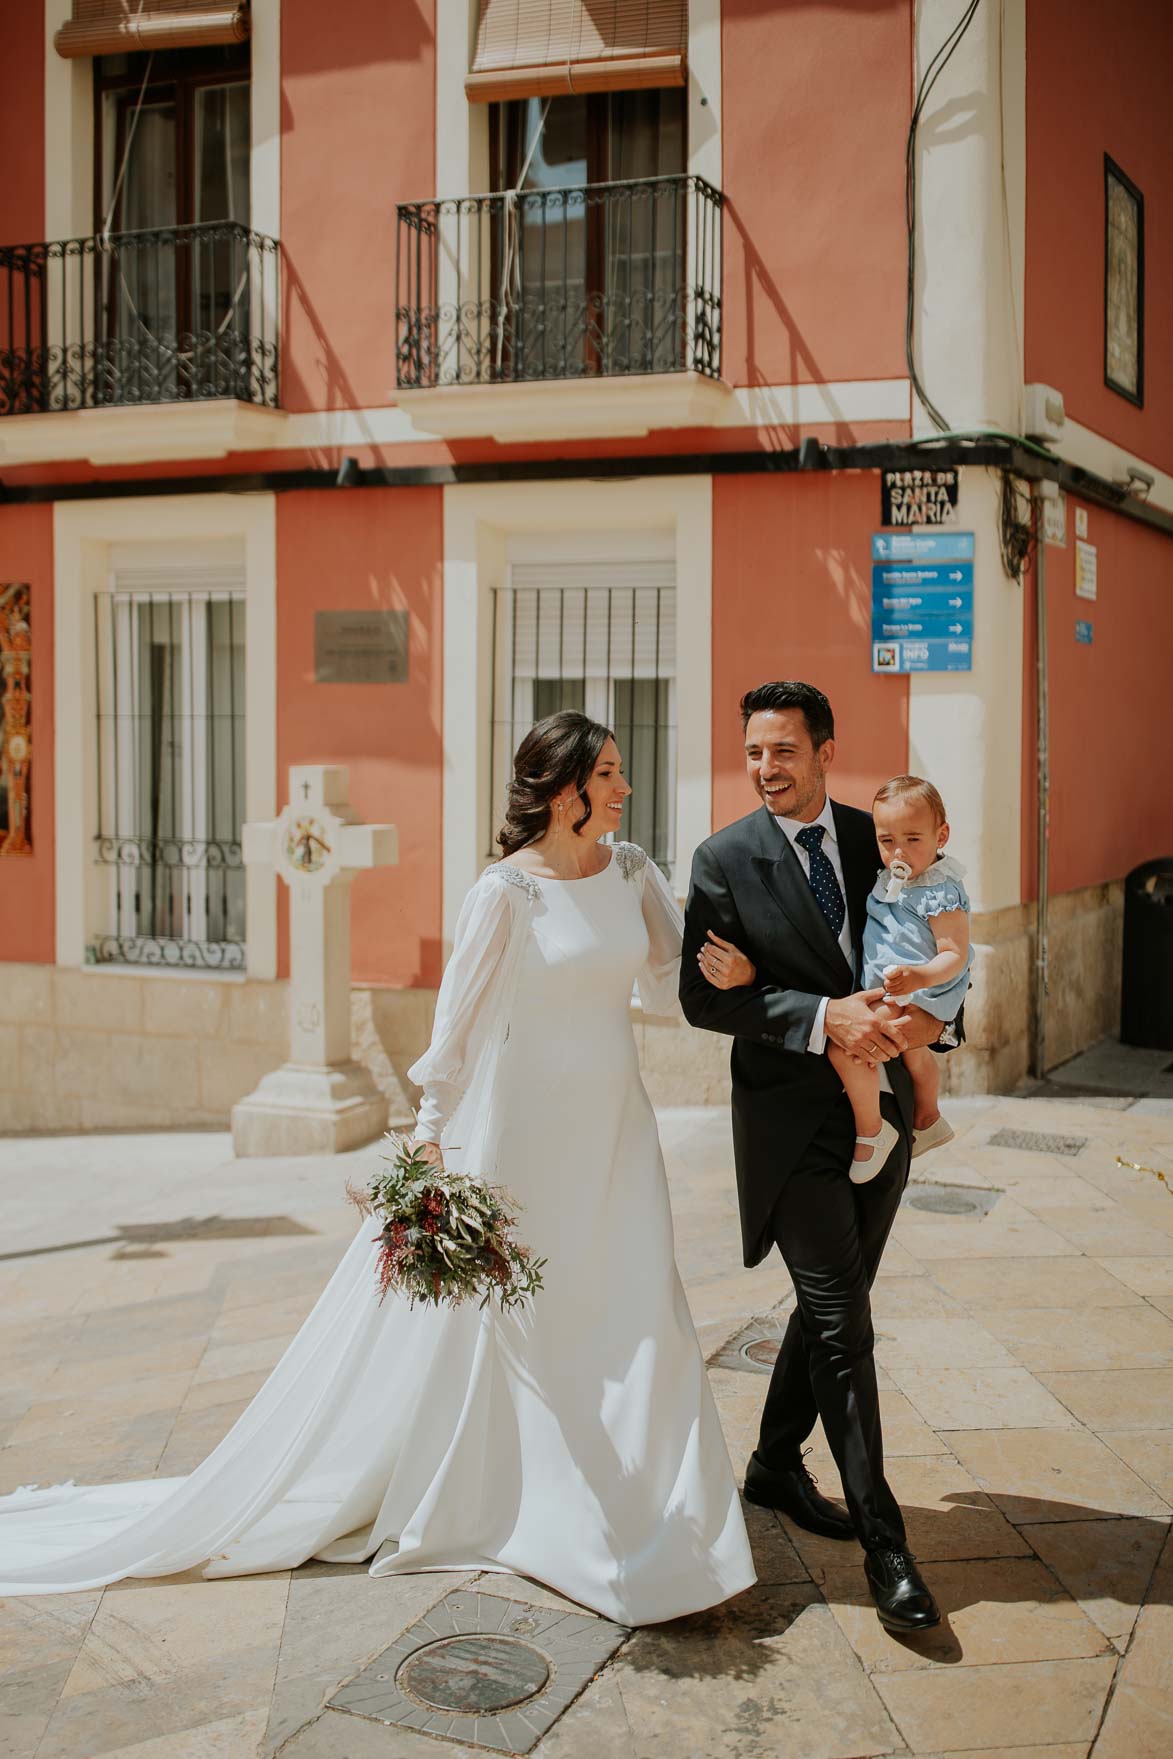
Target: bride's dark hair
[562, 749]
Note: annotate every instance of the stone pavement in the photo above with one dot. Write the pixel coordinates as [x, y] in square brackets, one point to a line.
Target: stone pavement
[1025, 1336]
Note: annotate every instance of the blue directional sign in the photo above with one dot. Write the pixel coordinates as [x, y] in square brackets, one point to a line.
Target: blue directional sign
[922, 576]
[922, 656]
[923, 604]
[1084, 631]
[922, 546]
[922, 601]
[924, 628]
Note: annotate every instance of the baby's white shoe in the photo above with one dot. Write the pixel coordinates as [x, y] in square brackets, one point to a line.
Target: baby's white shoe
[934, 1135]
[881, 1145]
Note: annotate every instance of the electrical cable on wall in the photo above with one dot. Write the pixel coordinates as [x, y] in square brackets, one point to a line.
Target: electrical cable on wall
[511, 254]
[1017, 536]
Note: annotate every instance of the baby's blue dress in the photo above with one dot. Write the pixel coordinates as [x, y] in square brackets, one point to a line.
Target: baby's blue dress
[898, 933]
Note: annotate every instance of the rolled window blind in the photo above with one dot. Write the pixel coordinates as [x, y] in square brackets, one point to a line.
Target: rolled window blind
[544, 48]
[593, 620]
[115, 27]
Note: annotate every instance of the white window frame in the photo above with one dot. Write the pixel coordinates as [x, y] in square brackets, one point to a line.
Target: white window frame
[617, 558]
[143, 574]
[85, 534]
[487, 525]
[69, 128]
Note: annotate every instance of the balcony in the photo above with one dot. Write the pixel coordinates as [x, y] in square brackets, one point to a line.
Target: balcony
[502, 299]
[101, 338]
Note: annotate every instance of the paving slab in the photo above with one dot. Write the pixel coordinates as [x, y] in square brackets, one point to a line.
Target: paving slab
[1024, 1363]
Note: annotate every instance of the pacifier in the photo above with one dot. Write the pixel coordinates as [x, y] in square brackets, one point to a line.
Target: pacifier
[899, 874]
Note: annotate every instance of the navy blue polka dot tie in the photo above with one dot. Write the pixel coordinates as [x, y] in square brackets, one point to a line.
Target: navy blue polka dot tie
[826, 888]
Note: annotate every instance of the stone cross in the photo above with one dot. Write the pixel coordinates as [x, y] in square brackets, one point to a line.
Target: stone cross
[320, 1101]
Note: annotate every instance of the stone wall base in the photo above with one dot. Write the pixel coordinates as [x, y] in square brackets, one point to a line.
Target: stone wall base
[1084, 942]
[103, 1049]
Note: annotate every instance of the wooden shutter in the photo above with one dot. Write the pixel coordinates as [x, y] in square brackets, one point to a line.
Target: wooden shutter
[113, 27]
[543, 48]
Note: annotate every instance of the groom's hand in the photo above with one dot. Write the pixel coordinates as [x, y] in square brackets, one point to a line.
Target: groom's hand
[851, 1024]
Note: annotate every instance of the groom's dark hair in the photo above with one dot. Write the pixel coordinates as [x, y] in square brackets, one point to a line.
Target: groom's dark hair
[789, 693]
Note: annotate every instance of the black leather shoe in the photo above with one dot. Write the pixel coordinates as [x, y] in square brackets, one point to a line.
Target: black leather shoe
[796, 1494]
[903, 1602]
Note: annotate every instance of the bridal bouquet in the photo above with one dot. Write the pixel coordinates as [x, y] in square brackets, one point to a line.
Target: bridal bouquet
[445, 1236]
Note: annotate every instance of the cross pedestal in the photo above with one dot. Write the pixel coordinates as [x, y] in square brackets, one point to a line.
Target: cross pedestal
[320, 1101]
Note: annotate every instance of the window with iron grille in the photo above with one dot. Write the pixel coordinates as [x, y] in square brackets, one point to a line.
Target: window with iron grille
[170, 752]
[599, 638]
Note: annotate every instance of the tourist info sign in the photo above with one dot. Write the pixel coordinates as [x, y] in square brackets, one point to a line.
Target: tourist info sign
[922, 601]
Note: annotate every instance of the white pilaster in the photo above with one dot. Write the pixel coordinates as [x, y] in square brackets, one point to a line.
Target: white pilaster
[69, 135]
[971, 205]
[965, 728]
[704, 90]
[265, 98]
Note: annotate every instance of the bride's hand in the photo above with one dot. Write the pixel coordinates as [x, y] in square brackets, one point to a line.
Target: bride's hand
[724, 965]
[431, 1153]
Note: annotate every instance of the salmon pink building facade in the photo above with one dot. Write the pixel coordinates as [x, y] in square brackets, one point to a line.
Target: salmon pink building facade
[375, 380]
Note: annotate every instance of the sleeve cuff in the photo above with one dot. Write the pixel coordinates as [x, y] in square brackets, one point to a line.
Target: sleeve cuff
[429, 1121]
[817, 1042]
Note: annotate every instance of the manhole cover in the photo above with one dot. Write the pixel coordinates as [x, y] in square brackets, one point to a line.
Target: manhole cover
[754, 1349]
[974, 1200]
[463, 1672]
[952, 1202]
[469, 1675]
[1037, 1141]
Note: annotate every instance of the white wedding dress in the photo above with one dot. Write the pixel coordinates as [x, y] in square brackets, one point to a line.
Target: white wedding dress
[574, 1441]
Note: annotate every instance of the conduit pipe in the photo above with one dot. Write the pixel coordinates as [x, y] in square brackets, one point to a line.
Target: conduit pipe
[1042, 789]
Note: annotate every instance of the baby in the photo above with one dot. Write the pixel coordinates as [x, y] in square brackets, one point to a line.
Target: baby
[916, 948]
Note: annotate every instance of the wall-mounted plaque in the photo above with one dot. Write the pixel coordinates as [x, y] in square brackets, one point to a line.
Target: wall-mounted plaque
[15, 720]
[1123, 284]
[360, 647]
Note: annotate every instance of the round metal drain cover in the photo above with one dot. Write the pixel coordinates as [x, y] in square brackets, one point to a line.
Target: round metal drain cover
[470, 1675]
[763, 1351]
[944, 1202]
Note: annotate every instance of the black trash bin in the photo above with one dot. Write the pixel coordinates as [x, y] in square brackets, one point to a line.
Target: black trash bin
[1146, 997]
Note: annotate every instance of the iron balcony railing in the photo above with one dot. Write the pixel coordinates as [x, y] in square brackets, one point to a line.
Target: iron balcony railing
[163, 316]
[595, 281]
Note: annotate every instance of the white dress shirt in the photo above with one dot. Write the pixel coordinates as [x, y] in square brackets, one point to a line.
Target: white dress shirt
[790, 827]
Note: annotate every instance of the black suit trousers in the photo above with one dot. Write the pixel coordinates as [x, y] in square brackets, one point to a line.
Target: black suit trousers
[831, 1234]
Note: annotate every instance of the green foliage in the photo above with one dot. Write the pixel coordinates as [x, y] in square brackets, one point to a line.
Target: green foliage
[445, 1237]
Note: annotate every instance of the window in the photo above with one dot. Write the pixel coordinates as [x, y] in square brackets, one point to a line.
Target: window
[1123, 285]
[590, 262]
[170, 691]
[599, 638]
[172, 187]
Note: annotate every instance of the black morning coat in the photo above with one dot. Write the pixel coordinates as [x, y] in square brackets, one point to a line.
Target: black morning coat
[749, 887]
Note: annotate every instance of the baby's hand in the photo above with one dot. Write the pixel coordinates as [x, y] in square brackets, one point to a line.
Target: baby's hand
[901, 980]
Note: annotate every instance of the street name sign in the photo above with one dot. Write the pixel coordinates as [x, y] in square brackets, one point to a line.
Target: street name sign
[919, 497]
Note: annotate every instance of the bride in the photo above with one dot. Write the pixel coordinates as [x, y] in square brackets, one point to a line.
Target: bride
[574, 1441]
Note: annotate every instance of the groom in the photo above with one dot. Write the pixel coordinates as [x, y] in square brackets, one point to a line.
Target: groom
[788, 886]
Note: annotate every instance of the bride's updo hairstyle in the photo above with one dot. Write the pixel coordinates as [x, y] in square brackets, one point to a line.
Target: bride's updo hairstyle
[560, 750]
